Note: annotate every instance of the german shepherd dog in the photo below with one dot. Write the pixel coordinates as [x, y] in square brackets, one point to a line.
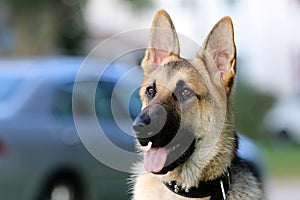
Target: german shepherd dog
[186, 130]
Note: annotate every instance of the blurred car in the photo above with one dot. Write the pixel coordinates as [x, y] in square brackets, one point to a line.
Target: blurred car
[283, 119]
[41, 155]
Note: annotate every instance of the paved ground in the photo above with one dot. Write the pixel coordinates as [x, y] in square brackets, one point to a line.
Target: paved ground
[281, 189]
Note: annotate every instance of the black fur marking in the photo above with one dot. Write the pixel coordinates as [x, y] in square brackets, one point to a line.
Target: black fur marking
[181, 86]
[184, 156]
[151, 91]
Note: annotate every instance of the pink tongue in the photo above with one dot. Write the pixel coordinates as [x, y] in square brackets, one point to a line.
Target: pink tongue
[155, 159]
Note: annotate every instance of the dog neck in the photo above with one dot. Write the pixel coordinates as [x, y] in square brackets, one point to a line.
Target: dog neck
[214, 189]
[207, 169]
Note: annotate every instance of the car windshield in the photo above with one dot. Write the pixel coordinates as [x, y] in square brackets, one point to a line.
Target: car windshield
[7, 87]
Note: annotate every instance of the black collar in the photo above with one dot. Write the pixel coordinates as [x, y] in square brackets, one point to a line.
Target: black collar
[216, 189]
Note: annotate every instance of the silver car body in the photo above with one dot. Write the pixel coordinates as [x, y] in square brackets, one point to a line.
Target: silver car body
[38, 138]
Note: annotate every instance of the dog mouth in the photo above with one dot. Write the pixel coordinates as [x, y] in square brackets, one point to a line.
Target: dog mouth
[168, 143]
[155, 158]
[160, 160]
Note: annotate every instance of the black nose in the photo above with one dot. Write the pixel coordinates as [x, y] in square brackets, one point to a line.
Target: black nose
[149, 124]
[141, 128]
[141, 122]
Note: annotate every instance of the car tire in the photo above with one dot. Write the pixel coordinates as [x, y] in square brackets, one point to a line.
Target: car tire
[62, 189]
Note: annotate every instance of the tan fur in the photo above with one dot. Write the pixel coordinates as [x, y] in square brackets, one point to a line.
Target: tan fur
[211, 76]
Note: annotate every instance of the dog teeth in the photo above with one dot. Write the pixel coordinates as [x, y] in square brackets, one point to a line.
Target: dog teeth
[148, 147]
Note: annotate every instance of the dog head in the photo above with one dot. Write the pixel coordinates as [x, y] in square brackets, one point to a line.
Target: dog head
[184, 102]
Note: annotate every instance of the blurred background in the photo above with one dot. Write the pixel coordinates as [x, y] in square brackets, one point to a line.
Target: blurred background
[267, 98]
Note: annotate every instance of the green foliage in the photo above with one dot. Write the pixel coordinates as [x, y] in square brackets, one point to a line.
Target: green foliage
[282, 159]
[42, 27]
[29, 5]
[140, 4]
[250, 108]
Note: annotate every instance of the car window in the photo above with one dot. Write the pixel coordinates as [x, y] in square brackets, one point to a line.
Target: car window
[135, 104]
[63, 103]
[7, 87]
[102, 100]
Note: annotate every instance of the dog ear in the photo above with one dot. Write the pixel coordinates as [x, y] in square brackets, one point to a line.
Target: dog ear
[163, 42]
[219, 47]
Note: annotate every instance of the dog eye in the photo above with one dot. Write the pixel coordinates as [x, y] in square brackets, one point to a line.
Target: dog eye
[150, 91]
[186, 92]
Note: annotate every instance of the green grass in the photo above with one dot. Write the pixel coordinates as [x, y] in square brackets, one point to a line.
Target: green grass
[282, 159]
[250, 107]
